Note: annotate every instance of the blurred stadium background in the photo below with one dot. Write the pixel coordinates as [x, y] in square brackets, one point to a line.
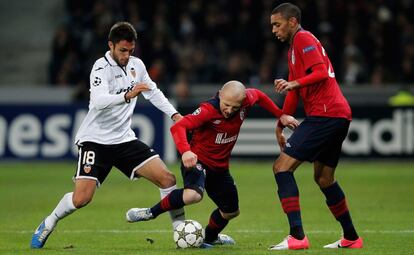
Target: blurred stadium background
[190, 49]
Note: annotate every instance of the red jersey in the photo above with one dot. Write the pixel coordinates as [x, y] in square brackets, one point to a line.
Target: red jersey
[213, 135]
[324, 98]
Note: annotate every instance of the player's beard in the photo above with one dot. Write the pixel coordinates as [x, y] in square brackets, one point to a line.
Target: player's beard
[118, 61]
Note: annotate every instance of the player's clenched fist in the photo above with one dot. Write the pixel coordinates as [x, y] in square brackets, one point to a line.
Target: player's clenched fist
[282, 85]
[189, 159]
[289, 121]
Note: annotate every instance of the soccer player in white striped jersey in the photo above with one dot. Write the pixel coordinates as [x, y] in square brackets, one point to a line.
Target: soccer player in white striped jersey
[105, 138]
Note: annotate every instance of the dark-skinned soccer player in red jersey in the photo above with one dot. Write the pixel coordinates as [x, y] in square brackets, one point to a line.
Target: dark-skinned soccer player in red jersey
[319, 137]
[215, 127]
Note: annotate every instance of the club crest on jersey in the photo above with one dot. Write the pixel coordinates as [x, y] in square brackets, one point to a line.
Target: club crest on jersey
[197, 111]
[87, 168]
[242, 113]
[133, 73]
[292, 57]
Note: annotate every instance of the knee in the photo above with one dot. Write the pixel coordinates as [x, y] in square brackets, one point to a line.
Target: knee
[324, 181]
[192, 196]
[278, 166]
[232, 215]
[167, 180]
[80, 201]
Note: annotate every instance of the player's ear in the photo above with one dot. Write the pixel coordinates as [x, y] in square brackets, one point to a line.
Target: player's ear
[111, 45]
[293, 21]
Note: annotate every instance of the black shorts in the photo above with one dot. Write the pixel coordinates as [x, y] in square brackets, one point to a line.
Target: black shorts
[318, 139]
[220, 186]
[96, 160]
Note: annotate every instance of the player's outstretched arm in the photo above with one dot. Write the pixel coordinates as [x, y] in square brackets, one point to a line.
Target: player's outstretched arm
[266, 103]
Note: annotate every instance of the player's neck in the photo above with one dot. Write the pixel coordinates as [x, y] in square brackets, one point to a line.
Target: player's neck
[294, 33]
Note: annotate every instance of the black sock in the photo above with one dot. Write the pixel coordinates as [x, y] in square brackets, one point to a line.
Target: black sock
[172, 201]
[289, 197]
[335, 199]
[215, 225]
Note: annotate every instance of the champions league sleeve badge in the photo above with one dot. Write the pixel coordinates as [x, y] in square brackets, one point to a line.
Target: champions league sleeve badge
[97, 81]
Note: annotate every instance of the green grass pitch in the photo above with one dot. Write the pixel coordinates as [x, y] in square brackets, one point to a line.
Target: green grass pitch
[380, 196]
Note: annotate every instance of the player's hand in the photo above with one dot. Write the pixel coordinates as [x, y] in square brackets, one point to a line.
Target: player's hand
[283, 86]
[177, 117]
[289, 121]
[280, 137]
[136, 90]
[189, 159]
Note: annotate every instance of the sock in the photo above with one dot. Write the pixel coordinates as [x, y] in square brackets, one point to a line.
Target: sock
[178, 215]
[335, 199]
[215, 225]
[174, 200]
[289, 197]
[63, 209]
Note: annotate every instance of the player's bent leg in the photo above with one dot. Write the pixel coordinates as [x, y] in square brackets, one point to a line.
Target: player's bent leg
[229, 216]
[157, 172]
[344, 243]
[192, 196]
[175, 200]
[323, 175]
[285, 163]
[83, 193]
[178, 215]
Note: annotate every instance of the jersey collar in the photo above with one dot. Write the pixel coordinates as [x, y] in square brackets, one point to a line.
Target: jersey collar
[109, 59]
[112, 62]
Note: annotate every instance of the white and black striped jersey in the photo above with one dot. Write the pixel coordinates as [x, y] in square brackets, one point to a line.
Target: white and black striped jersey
[109, 117]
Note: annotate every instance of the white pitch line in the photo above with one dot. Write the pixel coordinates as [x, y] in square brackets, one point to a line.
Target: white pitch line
[123, 231]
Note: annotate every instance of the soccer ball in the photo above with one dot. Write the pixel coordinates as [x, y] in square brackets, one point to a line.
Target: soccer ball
[188, 234]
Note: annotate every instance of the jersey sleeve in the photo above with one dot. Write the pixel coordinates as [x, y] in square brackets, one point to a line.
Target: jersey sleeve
[191, 121]
[319, 72]
[99, 88]
[291, 102]
[155, 95]
[306, 48]
[256, 96]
